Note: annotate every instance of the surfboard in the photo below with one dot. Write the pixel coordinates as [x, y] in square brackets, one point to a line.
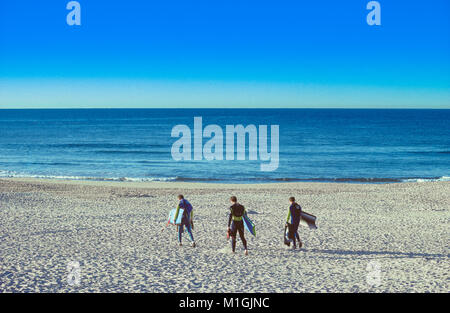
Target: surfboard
[286, 239]
[249, 225]
[172, 216]
[308, 220]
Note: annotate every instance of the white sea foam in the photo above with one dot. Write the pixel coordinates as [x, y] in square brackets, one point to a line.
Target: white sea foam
[11, 174]
[423, 180]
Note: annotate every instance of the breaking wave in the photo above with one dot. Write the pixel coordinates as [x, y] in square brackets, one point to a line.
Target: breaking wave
[11, 174]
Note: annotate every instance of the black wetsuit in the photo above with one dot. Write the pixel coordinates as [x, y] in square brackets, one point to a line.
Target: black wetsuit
[236, 224]
[293, 220]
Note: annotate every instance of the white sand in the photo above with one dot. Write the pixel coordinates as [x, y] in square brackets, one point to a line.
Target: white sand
[115, 231]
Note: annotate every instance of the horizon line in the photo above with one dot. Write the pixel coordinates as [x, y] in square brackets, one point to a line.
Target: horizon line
[228, 108]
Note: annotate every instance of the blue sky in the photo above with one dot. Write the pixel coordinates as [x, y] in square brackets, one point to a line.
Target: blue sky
[225, 54]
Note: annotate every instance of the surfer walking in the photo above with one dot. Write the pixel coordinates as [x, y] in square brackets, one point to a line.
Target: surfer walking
[236, 224]
[292, 222]
[186, 220]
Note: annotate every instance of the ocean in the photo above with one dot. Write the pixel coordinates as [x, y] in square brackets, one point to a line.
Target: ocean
[329, 145]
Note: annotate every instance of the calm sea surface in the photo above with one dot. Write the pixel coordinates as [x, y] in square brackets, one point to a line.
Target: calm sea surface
[315, 145]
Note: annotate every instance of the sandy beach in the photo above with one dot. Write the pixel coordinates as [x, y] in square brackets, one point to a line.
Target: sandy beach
[370, 238]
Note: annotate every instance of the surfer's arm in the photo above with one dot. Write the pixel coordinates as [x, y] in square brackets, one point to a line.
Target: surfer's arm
[176, 213]
[288, 219]
[229, 219]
